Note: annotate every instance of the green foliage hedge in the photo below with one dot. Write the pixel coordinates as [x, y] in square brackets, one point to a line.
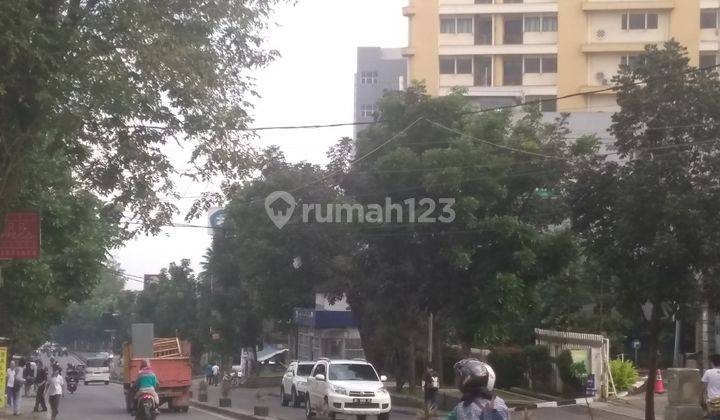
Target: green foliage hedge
[624, 374]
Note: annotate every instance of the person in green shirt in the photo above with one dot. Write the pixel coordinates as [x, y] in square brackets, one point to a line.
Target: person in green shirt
[147, 383]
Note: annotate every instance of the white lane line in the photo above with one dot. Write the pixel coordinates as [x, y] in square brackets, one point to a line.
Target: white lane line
[211, 413]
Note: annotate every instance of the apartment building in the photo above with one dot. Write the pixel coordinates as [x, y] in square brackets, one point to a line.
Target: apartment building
[378, 70]
[511, 51]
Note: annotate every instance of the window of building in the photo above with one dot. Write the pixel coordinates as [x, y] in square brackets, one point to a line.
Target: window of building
[532, 65]
[368, 111]
[447, 25]
[369, 78]
[456, 25]
[639, 21]
[482, 69]
[549, 64]
[512, 71]
[447, 65]
[483, 30]
[550, 24]
[709, 19]
[630, 60]
[456, 65]
[540, 65]
[483, 1]
[513, 30]
[533, 24]
[541, 24]
[463, 65]
[512, 1]
[465, 25]
[708, 60]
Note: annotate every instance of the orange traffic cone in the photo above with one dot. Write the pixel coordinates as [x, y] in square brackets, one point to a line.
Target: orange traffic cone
[659, 385]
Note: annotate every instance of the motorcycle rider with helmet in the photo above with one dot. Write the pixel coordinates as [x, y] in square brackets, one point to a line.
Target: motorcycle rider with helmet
[147, 383]
[476, 380]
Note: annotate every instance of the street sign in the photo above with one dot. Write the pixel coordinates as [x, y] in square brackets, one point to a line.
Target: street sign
[20, 237]
[3, 375]
[636, 344]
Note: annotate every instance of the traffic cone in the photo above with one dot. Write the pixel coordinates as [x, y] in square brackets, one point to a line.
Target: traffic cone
[659, 385]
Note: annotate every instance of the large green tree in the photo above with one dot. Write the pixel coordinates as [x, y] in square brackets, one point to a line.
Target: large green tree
[112, 85]
[650, 220]
[480, 271]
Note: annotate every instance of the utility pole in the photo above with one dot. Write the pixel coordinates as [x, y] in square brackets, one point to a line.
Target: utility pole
[430, 340]
[676, 351]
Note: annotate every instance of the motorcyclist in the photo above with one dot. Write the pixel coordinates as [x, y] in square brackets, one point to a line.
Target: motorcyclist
[476, 380]
[147, 383]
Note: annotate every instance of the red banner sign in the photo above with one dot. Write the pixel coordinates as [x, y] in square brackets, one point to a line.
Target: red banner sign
[20, 238]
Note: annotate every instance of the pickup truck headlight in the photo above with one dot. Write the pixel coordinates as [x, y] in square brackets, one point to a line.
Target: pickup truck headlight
[382, 391]
[339, 390]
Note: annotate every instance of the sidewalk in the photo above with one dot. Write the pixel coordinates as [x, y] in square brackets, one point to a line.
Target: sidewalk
[633, 406]
[28, 403]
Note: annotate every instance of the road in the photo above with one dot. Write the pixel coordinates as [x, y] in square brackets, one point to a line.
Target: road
[105, 402]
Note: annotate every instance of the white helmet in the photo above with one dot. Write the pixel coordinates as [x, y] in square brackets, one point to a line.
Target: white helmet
[472, 373]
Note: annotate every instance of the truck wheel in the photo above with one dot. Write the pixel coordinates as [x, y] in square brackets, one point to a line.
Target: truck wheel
[294, 400]
[107, 382]
[308, 410]
[184, 409]
[384, 416]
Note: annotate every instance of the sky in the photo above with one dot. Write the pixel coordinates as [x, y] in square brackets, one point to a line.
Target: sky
[311, 83]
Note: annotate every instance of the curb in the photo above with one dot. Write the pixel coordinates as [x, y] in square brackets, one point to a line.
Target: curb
[229, 413]
[553, 404]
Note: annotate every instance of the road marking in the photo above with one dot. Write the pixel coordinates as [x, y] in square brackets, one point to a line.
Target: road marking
[211, 413]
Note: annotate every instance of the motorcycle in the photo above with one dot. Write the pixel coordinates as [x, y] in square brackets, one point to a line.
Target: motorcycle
[145, 408]
[72, 384]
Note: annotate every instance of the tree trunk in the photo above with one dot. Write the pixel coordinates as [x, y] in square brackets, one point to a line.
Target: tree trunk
[652, 364]
[411, 370]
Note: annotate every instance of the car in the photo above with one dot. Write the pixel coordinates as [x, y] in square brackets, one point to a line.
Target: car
[346, 387]
[294, 383]
[97, 370]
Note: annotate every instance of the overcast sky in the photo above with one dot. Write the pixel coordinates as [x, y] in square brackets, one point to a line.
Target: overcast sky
[311, 83]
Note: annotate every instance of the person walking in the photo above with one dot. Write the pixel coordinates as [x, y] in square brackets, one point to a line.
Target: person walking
[55, 385]
[209, 373]
[41, 382]
[17, 387]
[431, 385]
[216, 374]
[10, 385]
[710, 397]
[28, 377]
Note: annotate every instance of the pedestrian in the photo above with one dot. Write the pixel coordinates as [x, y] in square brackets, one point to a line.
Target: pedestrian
[209, 373]
[55, 384]
[41, 382]
[216, 374]
[18, 386]
[10, 385]
[431, 386]
[28, 376]
[710, 397]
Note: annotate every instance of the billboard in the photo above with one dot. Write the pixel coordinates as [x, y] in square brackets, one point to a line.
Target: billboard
[20, 236]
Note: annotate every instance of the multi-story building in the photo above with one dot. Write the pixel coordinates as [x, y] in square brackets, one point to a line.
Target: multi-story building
[510, 51]
[378, 70]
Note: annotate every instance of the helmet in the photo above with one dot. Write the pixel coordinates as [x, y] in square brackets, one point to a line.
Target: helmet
[472, 373]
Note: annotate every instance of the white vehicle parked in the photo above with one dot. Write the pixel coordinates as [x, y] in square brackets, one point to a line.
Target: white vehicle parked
[294, 383]
[347, 387]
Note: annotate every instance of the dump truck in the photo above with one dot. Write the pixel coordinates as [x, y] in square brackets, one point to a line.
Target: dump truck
[171, 364]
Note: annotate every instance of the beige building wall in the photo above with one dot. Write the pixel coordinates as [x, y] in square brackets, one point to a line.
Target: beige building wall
[422, 51]
[685, 27]
[572, 62]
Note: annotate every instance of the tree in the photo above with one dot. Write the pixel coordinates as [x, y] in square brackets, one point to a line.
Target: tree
[111, 84]
[650, 220]
[480, 270]
[75, 240]
[261, 273]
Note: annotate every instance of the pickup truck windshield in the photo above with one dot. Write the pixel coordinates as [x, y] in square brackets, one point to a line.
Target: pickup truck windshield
[352, 372]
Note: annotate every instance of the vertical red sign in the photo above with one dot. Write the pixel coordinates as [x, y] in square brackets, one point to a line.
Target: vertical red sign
[20, 237]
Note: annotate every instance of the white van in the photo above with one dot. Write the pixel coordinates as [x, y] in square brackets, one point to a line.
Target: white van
[97, 370]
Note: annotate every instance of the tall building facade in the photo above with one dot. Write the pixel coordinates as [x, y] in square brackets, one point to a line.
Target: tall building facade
[511, 51]
[378, 70]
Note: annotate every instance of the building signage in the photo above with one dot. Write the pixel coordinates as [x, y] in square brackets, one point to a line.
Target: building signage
[20, 237]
